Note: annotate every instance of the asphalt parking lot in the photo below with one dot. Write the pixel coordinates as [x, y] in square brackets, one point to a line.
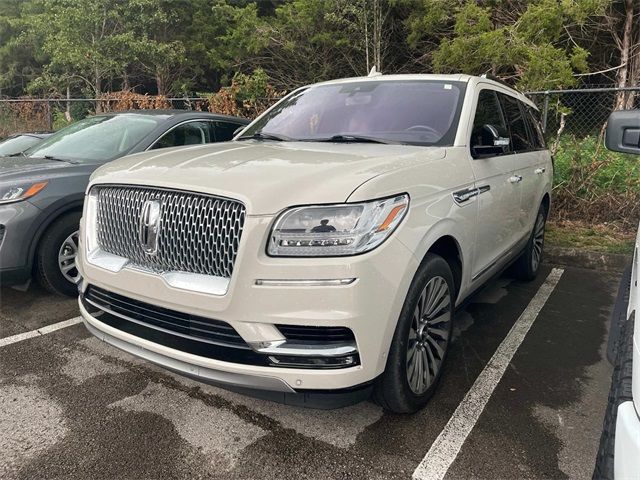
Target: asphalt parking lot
[73, 407]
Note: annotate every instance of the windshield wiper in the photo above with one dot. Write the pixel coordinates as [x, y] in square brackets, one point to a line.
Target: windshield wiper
[57, 159]
[17, 154]
[346, 138]
[264, 136]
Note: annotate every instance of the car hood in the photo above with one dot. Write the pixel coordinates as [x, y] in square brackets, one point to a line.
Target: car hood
[266, 176]
[22, 168]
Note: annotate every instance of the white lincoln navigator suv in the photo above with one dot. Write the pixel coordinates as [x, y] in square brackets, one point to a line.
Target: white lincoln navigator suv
[320, 255]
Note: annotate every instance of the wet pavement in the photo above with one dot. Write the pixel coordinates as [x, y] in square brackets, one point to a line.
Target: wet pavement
[73, 407]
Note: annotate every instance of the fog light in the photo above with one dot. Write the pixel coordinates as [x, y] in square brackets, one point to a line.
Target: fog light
[313, 362]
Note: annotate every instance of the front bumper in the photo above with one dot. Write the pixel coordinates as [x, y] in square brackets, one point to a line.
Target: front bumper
[260, 386]
[190, 365]
[18, 223]
[369, 306]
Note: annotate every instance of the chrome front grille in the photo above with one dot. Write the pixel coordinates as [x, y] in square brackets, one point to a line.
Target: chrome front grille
[197, 233]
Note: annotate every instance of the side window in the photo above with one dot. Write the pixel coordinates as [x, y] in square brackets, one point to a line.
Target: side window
[489, 136]
[190, 133]
[520, 140]
[536, 127]
[223, 131]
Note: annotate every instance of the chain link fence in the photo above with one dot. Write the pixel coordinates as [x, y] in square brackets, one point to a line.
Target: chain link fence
[578, 112]
[19, 115]
[581, 112]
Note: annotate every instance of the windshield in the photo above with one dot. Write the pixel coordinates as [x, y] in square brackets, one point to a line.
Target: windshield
[18, 144]
[414, 112]
[99, 138]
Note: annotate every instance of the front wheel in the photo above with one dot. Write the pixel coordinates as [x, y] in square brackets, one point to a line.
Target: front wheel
[527, 266]
[421, 340]
[56, 268]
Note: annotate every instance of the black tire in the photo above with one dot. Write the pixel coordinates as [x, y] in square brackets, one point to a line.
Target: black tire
[392, 389]
[526, 267]
[620, 392]
[47, 269]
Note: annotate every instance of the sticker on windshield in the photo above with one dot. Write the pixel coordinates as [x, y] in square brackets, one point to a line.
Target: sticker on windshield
[448, 86]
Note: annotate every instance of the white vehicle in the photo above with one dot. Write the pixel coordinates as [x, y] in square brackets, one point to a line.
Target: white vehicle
[325, 248]
[619, 453]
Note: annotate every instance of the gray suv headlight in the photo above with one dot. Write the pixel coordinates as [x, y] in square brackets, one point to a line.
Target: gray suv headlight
[336, 230]
[20, 191]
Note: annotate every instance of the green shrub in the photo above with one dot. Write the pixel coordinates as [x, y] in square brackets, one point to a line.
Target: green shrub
[595, 185]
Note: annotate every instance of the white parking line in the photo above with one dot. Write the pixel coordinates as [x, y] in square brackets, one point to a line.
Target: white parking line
[40, 331]
[443, 451]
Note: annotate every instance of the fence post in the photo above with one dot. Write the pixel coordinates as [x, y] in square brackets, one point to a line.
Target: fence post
[545, 111]
[49, 116]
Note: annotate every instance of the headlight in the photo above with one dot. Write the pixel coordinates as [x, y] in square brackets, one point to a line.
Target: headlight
[22, 191]
[336, 230]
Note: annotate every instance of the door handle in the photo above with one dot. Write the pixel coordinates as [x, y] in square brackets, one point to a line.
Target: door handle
[515, 179]
[540, 171]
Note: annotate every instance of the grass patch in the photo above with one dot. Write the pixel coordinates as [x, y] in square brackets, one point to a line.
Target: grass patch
[601, 238]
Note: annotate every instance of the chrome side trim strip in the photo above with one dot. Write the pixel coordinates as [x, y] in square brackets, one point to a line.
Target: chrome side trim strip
[503, 259]
[484, 270]
[334, 282]
[282, 347]
[463, 196]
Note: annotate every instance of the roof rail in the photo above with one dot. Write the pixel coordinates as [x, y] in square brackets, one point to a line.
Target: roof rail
[488, 76]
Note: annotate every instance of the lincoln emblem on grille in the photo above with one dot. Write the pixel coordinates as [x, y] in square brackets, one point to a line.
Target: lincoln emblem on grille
[149, 227]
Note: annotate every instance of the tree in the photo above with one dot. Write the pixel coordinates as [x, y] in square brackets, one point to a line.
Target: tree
[528, 43]
[625, 30]
[83, 39]
[311, 40]
[21, 58]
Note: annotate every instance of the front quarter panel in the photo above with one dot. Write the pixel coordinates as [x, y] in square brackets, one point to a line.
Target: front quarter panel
[433, 212]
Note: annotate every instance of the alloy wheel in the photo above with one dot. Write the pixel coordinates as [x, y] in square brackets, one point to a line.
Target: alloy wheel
[67, 258]
[538, 242]
[429, 335]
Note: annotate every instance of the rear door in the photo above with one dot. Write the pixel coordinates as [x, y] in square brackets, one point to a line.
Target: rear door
[529, 158]
[497, 196]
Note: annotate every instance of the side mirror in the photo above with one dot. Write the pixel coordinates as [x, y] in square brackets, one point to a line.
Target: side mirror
[492, 143]
[623, 131]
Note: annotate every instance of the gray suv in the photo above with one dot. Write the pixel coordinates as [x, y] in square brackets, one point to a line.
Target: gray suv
[42, 189]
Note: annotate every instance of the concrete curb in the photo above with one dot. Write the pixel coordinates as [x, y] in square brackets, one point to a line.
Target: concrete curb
[573, 257]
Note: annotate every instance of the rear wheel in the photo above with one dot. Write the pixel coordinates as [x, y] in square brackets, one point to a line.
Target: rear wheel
[56, 268]
[527, 266]
[421, 340]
